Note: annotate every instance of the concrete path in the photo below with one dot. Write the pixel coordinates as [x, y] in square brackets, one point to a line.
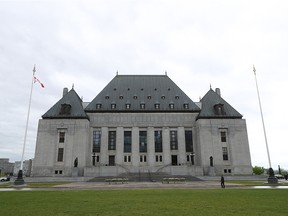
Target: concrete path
[143, 185]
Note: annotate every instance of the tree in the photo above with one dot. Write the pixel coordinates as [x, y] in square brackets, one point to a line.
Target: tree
[258, 170]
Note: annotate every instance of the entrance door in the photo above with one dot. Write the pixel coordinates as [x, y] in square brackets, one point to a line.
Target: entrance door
[174, 160]
[111, 160]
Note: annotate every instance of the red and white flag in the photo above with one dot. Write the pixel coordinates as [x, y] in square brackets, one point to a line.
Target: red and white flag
[35, 79]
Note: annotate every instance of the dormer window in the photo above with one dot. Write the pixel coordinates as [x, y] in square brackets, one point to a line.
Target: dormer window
[149, 97]
[98, 106]
[219, 109]
[107, 97]
[128, 105]
[157, 106]
[113, 106]
[177, 97]
[65, 109]
[135, 97]
[171, 106]
[142, 106]
[121, 97]
[186, 106]
[163, 97]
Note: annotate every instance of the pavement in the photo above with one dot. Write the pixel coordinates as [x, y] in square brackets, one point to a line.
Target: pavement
[82, 184]
[143, 185]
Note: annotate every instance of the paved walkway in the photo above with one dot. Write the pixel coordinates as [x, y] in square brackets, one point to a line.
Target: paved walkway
[143, 185]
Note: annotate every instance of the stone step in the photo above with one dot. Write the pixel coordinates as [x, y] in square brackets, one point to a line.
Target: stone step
[145, 177]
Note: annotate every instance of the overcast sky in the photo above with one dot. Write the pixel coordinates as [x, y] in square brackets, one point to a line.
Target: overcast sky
[198, 43]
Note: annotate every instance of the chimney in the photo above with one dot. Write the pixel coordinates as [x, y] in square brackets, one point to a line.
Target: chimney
[217, 90]
[65, 91]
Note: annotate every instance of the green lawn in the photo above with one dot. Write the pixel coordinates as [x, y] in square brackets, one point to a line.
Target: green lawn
[138, 202]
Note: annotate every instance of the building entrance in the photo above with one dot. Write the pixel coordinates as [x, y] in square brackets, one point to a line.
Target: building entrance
[111, 160]
[174, 160]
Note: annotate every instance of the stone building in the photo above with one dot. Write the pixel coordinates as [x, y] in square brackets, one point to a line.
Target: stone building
[26, 169]
[6, 167]
[142, 124]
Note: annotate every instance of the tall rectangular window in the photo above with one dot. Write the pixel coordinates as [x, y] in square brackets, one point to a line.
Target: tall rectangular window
[189, 141]
[60, 154]
[225, 153]
[61, 137]
[96, 140]
[158, 140]
[223, 136]
[112, 140]
[127, 141]
[142, 141]
[173, 140]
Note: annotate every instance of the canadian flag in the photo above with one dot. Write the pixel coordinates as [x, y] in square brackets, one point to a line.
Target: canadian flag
[35, 79]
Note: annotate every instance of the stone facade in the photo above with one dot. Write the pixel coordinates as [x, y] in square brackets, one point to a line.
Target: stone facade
[6, 167]
[110, 143]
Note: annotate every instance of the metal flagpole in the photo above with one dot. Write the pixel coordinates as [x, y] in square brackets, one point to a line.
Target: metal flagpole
[20, 180]
[271, 178]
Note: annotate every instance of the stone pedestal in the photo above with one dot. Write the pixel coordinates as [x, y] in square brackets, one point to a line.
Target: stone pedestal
[272, 180]
[19, 180]
[211, 171]
[75, 172]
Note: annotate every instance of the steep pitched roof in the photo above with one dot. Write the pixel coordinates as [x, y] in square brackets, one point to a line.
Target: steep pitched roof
[69, 106]
[214, 106]
[142, 93]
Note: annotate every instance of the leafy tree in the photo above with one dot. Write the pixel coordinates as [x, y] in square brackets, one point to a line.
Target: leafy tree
[258, 170]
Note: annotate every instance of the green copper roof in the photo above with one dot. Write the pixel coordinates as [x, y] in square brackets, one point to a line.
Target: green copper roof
[214, 106]
[142, 93]
[69, 106]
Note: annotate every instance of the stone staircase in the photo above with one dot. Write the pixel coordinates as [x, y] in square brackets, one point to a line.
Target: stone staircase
[145, 177]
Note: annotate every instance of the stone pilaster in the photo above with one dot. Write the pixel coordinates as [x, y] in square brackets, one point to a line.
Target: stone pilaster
[150, 146]
[119, 145]
[104, 146]
[181, 145]
[135, 147]
[166, 145]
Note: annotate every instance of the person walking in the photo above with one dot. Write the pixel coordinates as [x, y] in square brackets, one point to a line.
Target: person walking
[222, 182]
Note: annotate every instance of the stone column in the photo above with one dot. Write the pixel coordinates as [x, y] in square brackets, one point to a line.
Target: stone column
[135, 147]
[166, 145]
[104, 146]
[150, 146]
[119, 145]
[181, 145]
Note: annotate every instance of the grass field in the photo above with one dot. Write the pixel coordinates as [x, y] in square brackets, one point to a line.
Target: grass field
[138, 202]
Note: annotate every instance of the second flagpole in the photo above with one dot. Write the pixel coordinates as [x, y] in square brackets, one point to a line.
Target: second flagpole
[20, 180]
[271, 179]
